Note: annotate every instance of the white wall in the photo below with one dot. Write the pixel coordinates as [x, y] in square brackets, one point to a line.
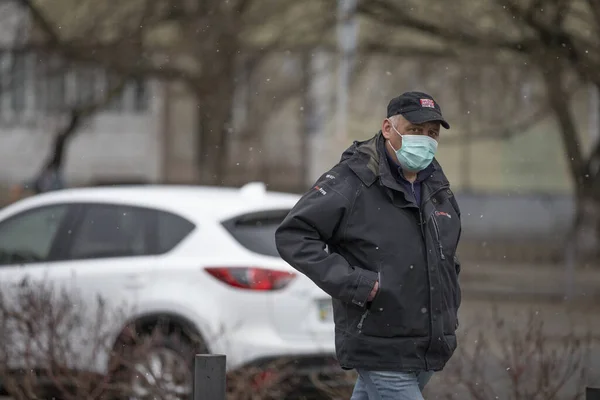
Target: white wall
[13, 23]
[111, 145]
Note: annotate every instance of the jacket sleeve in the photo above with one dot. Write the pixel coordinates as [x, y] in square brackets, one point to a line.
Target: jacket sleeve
[308, 228]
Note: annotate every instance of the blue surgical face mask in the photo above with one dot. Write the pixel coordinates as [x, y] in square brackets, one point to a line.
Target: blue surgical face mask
[416, 152]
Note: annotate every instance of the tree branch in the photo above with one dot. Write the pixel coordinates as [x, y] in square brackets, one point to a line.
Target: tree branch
[515, 129]
[595, 9]
[505, 132]
[107, 55]
[396, 15]
[553, 36]
[40, 20]
[373, 48]
[76, 117]
[242, 6]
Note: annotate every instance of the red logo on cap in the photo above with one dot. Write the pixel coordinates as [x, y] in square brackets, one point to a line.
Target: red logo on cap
[427, 103]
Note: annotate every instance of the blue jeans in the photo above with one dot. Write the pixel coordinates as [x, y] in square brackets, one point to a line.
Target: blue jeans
[380, 385]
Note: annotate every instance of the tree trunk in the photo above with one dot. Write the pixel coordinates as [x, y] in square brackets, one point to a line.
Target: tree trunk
[307, 115]
[214, 117]
[587, 223]
[55, 160]
[559, 102]
[213, 149]
[215, 100]
[583, 239]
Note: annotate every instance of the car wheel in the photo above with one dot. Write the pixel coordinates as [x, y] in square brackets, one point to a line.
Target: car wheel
[158, 367]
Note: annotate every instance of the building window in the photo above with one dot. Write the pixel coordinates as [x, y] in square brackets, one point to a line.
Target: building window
[140, 96]
[53, 79]
[42, 83]
[117, 102]
[85, 82]
[18, 82]
[4, 77]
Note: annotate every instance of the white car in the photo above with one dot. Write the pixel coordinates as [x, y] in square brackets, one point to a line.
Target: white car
[201, 260]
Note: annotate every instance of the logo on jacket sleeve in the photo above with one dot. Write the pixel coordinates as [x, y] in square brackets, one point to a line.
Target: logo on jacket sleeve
[320, 190]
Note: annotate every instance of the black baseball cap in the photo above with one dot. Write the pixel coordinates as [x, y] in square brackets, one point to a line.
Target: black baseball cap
[416, 107]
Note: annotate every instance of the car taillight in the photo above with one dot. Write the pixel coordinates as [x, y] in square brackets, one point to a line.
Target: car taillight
[252, 278]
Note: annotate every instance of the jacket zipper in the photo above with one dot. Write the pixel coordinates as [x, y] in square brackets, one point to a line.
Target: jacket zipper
[412, 186]
[366, 313]
[362, 320]
[437, 235]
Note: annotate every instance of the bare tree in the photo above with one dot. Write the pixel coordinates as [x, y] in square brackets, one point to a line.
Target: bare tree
[199, 43]
[34, 83]
[559, 38]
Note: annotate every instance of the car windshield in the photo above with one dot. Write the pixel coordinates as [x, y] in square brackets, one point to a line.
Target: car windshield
[256, 231]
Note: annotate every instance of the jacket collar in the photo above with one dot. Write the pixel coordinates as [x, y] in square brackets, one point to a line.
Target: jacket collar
[367, 159]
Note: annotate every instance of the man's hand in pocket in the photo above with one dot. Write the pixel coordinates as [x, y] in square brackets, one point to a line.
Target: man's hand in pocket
[373, 291]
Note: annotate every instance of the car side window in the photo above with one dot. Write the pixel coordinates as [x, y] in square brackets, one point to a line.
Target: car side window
[29, 236]
[256, 231]
[171, 230]
[110, 231]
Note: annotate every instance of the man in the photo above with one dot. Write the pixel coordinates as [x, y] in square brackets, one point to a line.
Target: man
[378, 233]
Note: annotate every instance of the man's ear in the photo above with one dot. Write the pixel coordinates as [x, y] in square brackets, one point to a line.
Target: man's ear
[386, 128]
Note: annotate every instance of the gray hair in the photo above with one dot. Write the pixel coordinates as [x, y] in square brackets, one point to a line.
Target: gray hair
[395, 119]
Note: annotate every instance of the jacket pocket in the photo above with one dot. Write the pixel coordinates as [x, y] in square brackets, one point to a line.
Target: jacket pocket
[365, 315]
[394, 312]
[446, 226]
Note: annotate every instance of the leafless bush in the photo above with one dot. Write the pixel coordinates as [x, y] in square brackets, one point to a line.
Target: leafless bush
[517, 362]
[338, 386]
[55, 343]
[272, 382]
[51, 340]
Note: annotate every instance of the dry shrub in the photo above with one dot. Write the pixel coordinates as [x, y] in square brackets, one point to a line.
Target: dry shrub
[50, 340]
[274, 381]
[303, 378]
[508, 361]
[336, 385]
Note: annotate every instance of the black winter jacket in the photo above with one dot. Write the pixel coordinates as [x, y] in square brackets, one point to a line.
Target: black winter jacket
[358, 225]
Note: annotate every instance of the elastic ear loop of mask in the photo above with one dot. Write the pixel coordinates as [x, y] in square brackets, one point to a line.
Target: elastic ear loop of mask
[391, 145]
